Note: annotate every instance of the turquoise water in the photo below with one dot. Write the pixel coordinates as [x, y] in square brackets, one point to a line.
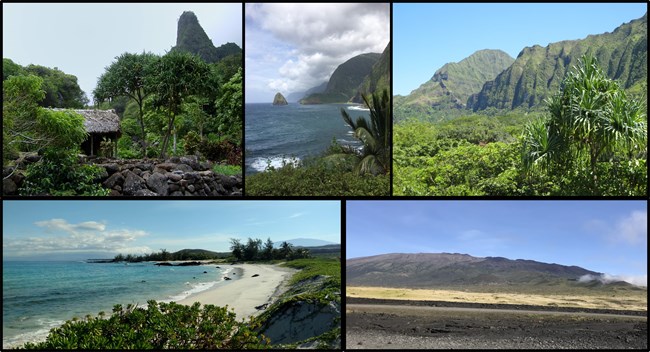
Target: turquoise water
[277, 133]
[37, 296]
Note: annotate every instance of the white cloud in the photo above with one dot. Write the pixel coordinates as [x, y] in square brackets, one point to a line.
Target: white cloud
[296, 215]
[81, 237]
[633, 229]
[60, 224]
[638, 280]
[309, 41]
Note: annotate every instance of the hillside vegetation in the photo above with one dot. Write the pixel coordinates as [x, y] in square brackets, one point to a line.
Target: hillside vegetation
[566, 120]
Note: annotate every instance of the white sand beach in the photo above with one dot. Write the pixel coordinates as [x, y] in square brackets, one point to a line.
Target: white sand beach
[245, 292]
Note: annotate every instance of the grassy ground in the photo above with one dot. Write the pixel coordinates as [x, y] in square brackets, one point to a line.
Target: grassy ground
[624, 300]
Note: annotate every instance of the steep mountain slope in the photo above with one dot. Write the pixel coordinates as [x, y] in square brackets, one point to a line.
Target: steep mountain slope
[453, 83]
[345, 80]
[431, 270]
[378, 79]
[537, 72]
[192, 38]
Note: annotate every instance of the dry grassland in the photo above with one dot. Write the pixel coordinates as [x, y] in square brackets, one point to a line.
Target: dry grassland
[632, 300]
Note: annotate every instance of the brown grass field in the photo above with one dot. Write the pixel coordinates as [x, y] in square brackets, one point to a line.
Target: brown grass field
[624, 300]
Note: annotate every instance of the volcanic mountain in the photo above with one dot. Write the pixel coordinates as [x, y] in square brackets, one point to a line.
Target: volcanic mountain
[436, 270]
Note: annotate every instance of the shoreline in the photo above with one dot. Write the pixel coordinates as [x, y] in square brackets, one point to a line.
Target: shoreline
[246, 292]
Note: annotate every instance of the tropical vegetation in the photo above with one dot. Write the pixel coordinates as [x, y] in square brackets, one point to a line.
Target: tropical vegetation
[340, 170]
[176, 104]
[590, 140]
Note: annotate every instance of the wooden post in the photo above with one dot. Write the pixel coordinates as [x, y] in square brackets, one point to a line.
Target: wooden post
[92, 144]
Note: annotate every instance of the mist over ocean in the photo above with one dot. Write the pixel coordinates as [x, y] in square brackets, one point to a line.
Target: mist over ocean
[277, 133]
[37, 296]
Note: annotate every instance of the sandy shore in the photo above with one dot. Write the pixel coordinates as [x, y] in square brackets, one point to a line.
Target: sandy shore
[245, 292]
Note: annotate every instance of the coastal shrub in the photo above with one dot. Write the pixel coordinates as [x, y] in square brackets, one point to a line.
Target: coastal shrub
[319, 177]
[158, 326]
[59, 173]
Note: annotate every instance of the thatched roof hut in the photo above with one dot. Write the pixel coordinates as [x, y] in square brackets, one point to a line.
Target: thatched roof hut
[99, 124]
[99, 121]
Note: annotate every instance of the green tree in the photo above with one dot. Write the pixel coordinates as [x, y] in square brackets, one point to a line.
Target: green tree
[374, 156]
[286, 250]
[237, 248]
[20, 96]
[172, 79]
[230, 110]
[267, 252]
[10, 68]
[30, 127]
[590, 121]
[61, 89]
[126, 77]
[252, 249]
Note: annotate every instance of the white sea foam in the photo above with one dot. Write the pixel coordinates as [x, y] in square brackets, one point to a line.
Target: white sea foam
[195, 288]
[262, 164]
[358, 108]
[31, 336]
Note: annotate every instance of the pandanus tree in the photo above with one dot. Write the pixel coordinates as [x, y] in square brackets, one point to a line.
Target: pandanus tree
[126, 78]
[591, 120]
[172, 80]
[374, 155]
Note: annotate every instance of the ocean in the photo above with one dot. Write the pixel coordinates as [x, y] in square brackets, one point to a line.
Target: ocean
[279, 133]
[37, 296]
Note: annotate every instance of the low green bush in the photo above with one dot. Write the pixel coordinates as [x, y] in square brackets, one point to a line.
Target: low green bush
[59, 173]
[320, 177]
[158, 326]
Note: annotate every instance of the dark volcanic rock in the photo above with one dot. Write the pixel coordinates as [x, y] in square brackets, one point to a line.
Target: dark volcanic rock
[132, 183]
[116, 179]
[158, 183]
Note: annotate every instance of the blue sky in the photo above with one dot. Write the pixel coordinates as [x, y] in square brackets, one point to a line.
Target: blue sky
[83, 39]
[604, 236]
[427, 36]
[293, 47]
[103, 228]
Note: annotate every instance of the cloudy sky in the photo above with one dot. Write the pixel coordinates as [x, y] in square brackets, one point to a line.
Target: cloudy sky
[100, 229]
[294, 47]
[83, 39]
[427, 36]
[605, 236]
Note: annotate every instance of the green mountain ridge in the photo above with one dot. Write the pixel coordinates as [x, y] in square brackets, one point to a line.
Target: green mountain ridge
[453, 84]
[538, 71]
[378, 79]
[345, 80]
[192, 38]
